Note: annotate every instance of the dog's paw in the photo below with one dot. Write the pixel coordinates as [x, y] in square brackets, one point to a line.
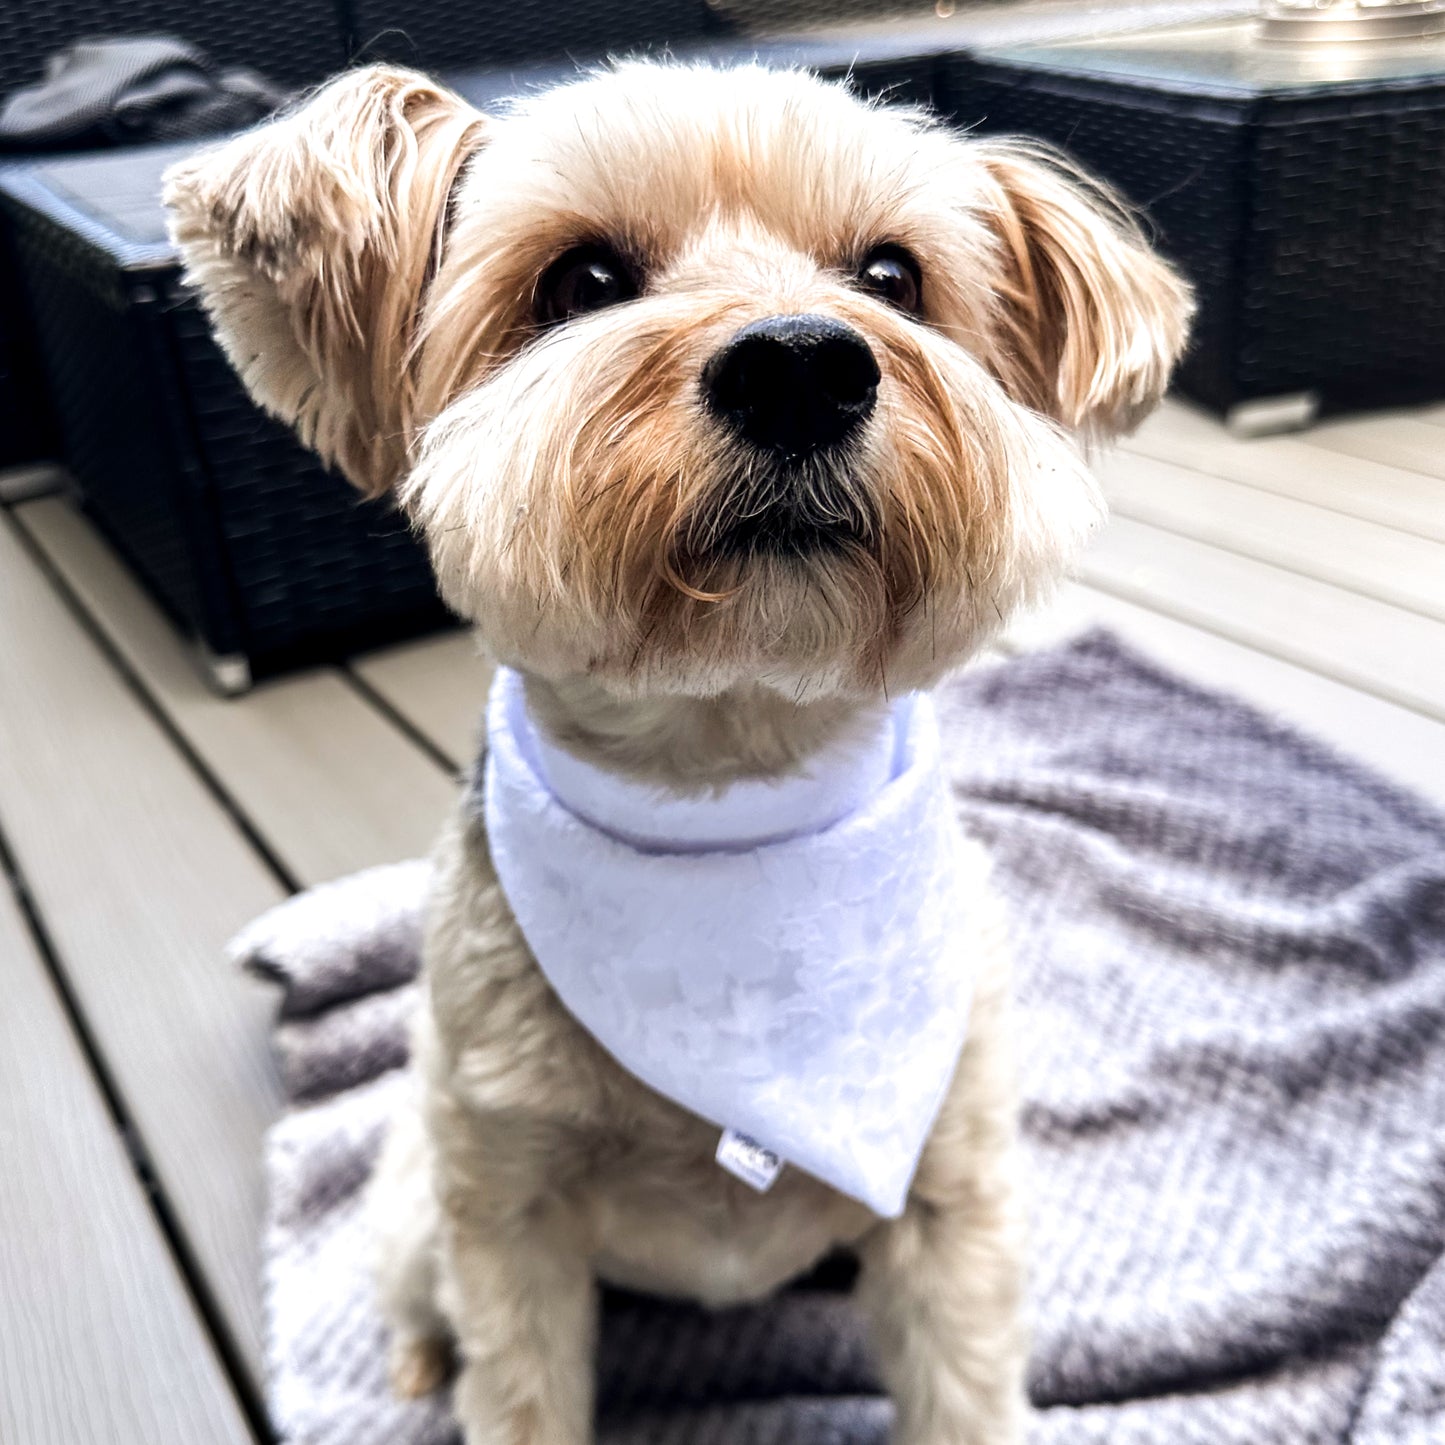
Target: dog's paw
[417, 1366]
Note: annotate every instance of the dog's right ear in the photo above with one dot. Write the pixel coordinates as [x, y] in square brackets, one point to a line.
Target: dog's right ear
[313, 241]
[1090, 319]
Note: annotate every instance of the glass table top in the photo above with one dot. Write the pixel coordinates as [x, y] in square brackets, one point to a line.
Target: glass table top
[1233, 58]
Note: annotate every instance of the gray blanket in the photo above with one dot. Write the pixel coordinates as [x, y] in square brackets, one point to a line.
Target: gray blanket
[1231, 948]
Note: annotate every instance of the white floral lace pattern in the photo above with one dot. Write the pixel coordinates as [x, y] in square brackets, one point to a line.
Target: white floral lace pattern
[810, 993]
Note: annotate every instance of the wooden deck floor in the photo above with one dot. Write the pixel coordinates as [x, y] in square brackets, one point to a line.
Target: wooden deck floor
[143, 820]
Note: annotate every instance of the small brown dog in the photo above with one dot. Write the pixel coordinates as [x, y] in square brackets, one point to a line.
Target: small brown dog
[706, 571]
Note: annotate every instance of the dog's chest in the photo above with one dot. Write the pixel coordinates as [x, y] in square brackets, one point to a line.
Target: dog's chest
[682, 1226]
[663, 1215]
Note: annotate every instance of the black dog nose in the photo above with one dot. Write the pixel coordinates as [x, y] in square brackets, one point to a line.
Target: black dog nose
[794, 384]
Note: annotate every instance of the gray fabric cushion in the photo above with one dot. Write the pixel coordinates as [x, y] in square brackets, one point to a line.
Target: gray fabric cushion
[1231, 948]
[131, 89]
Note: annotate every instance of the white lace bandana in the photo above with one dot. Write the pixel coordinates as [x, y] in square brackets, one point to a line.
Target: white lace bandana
[783, 959]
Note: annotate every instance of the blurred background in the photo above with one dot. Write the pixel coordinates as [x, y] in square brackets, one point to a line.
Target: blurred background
[223, 679]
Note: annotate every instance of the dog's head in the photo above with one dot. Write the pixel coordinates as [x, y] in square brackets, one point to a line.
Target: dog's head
[690, 377]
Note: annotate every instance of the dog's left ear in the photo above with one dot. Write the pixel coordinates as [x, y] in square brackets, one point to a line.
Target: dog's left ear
[313, 240]
[1088, 320]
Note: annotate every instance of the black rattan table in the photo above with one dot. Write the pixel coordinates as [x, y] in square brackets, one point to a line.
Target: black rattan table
[268, 559]
[1302, 188]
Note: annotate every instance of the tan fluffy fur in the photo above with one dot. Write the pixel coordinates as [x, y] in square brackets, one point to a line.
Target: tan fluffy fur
[370, 263]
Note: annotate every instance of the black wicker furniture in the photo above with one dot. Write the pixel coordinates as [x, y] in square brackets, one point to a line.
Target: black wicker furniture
[1301, 188]
[295, 42]
[894, 69]
[445, 34]
[264, 556]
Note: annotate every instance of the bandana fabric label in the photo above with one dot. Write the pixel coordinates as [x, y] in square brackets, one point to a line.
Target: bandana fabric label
[806, 993]
[747, 1160]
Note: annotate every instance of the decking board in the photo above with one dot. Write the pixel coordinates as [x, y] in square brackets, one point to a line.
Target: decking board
[1381, 562]
[438, 684]
[1357, 640]
[99, 1340]
[140, 877]
[1397, 439]
[327, 780]
[1292, 467]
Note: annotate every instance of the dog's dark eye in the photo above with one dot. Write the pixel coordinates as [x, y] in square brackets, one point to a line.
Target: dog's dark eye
[586, 278]
[892, 275]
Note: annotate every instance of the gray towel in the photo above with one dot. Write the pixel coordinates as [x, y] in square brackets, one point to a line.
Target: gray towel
[1231, 948]
[130, 89]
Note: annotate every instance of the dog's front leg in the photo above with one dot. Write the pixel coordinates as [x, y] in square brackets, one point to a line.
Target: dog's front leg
[519, 1291]
[942, 1288]
[943, 1285]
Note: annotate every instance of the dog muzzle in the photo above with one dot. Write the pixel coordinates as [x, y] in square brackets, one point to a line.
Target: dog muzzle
[784, 959]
